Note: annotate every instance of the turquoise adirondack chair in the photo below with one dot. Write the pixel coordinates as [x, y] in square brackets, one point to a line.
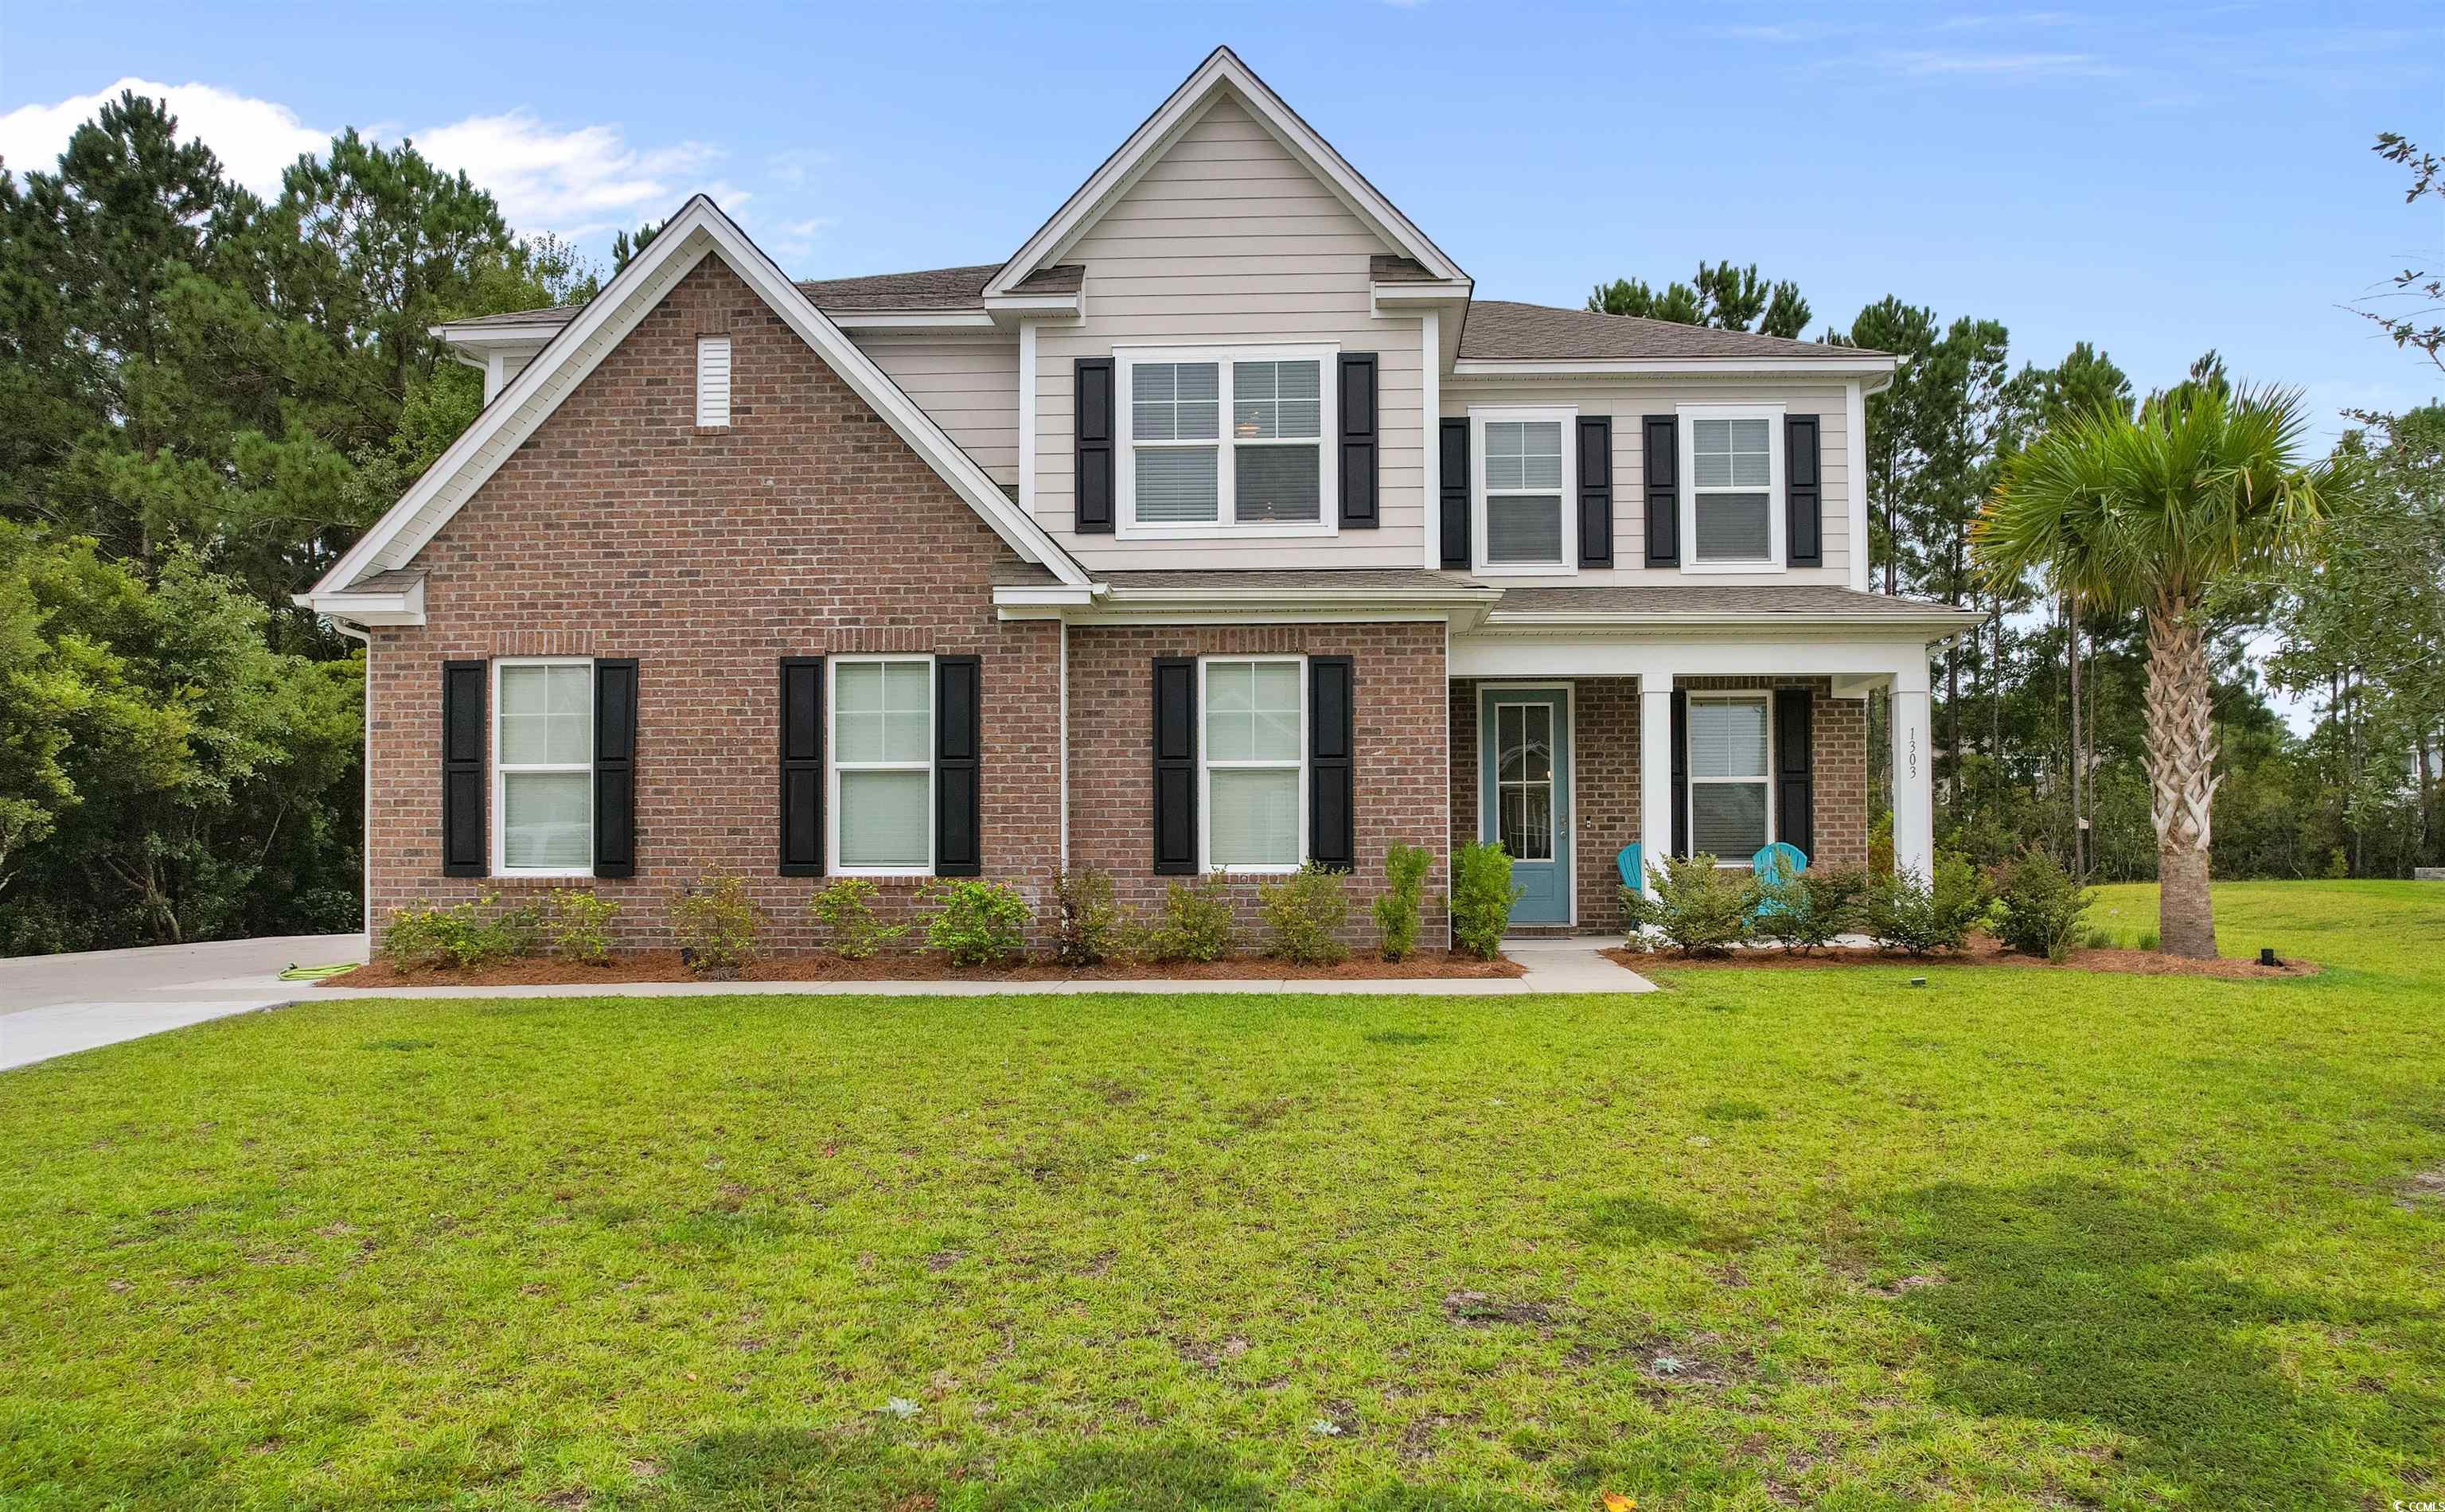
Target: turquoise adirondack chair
[1779, 861]
[1631, 876]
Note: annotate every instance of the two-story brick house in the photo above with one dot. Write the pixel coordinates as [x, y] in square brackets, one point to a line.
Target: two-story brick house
[1219, 528]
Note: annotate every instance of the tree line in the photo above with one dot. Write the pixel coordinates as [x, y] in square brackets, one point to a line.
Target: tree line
[206, 393]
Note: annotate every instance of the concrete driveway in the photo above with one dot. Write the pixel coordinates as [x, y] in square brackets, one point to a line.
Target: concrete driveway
[54, 1005]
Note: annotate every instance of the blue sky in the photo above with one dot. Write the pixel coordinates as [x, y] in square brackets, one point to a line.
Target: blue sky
[2158, 183]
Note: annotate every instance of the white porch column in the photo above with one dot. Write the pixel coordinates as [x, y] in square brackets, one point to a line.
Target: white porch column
[1914, 776]
[1654, 771]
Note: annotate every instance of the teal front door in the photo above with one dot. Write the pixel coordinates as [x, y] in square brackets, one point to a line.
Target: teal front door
[1524, 795]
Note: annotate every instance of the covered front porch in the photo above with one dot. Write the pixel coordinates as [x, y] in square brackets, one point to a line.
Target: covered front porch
[1569, 748]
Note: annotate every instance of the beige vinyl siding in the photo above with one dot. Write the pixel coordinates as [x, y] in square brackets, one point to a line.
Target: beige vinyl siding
[1226, 239]
[1629, 401]
[968, 384]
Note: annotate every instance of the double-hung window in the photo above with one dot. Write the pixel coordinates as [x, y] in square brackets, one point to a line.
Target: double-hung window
[1729, 780]
[1252, 751]
[543, 767]
[1226, 439]
[1525, 522]
[1732, 456]
[882, 765]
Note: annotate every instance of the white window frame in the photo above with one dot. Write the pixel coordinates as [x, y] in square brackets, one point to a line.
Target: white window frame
[834, 766]
[502, 770]
[1125, 480]
[1689, 755]
[1478, 419]
[1205, 769]
[705, 344]
[1777, 558]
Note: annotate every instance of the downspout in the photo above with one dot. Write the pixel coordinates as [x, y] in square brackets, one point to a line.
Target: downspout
[365, 765]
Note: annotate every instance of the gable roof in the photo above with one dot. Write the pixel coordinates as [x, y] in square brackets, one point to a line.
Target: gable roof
[1501, 330]
[699, 231]
[1221, 75]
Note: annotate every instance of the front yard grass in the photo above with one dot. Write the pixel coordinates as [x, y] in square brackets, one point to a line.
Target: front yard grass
[1769, 1239]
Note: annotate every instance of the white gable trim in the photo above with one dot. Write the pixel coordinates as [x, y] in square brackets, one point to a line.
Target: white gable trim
[1221, 74]
[698, 231]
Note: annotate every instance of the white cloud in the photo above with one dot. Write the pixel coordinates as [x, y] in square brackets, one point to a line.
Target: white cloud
[253, 138]
[793, 239]
[576, 182]
[1927, 62]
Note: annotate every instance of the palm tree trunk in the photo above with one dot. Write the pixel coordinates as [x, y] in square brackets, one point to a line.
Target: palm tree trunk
[2181, 771]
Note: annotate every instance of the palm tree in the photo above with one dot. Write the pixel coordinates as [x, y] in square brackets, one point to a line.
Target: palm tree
[2206, 483]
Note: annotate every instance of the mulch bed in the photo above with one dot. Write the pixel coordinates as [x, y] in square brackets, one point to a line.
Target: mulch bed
[1981, 950]
[663, 965]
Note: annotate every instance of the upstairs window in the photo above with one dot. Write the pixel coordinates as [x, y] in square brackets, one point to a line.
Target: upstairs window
[1729, 511]
[713, 380]
[1225, 439]
[1525, 468]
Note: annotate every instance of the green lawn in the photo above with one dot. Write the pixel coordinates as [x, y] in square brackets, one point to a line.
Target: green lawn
[2016, 1239]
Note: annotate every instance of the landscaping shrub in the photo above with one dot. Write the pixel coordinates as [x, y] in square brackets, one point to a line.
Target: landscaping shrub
[578, 924]
[717, 924]
[1482, 896]
[1089, 929]
[1195, 924]
[846, 909]
[1805, 910]
[1303, 917]
[1703, 909]
[463, 935]
[1404, 891]
[979, 923]
[2038, 907]
[1907, 913]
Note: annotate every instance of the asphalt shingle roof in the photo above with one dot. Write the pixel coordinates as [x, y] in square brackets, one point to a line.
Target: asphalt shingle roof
[1501, 330]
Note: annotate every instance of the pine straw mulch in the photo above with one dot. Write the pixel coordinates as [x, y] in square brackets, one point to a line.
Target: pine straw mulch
[1981, 950]
[663, 965]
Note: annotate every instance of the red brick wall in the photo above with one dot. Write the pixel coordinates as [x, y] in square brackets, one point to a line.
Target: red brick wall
[1402, 777]
[1605, 764]
[806, 528]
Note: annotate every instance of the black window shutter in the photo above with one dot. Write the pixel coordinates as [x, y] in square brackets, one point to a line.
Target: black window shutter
[1331, 817]
[615, 766]
[1661, 446]
[1093, 397]
[802, 766]
[1596, 490]
[1358, 448]
[1680, 772]
[1175, 766]
[959, 749]
[1454, 470]
[1795, 769]
[464, 738]
[1803, 496]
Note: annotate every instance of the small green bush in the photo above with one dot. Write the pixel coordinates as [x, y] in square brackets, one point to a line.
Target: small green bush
[463, 935]
[978, 922]
[1089, 929]
[1481, 898]
[1304, 915]
[846, 909]
[1195, 924]
[2038, 907]
[2149, 940]
[1703, 909]
[717, 924]
[578, 924]
[1806, 910]
[1907, 913]
[1405, 892]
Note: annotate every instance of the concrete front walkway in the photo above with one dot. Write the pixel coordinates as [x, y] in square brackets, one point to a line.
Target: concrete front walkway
[109, 995]
[52, 1005]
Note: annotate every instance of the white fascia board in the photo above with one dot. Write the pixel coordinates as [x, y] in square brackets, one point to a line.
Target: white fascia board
[1902, 662]
[404, 608]
[1221, 74]
[700, 230]
[1914, 628]
[941, 320]
[1409, 297]
[1486, 368]
[1462, 607]
[491, 338]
